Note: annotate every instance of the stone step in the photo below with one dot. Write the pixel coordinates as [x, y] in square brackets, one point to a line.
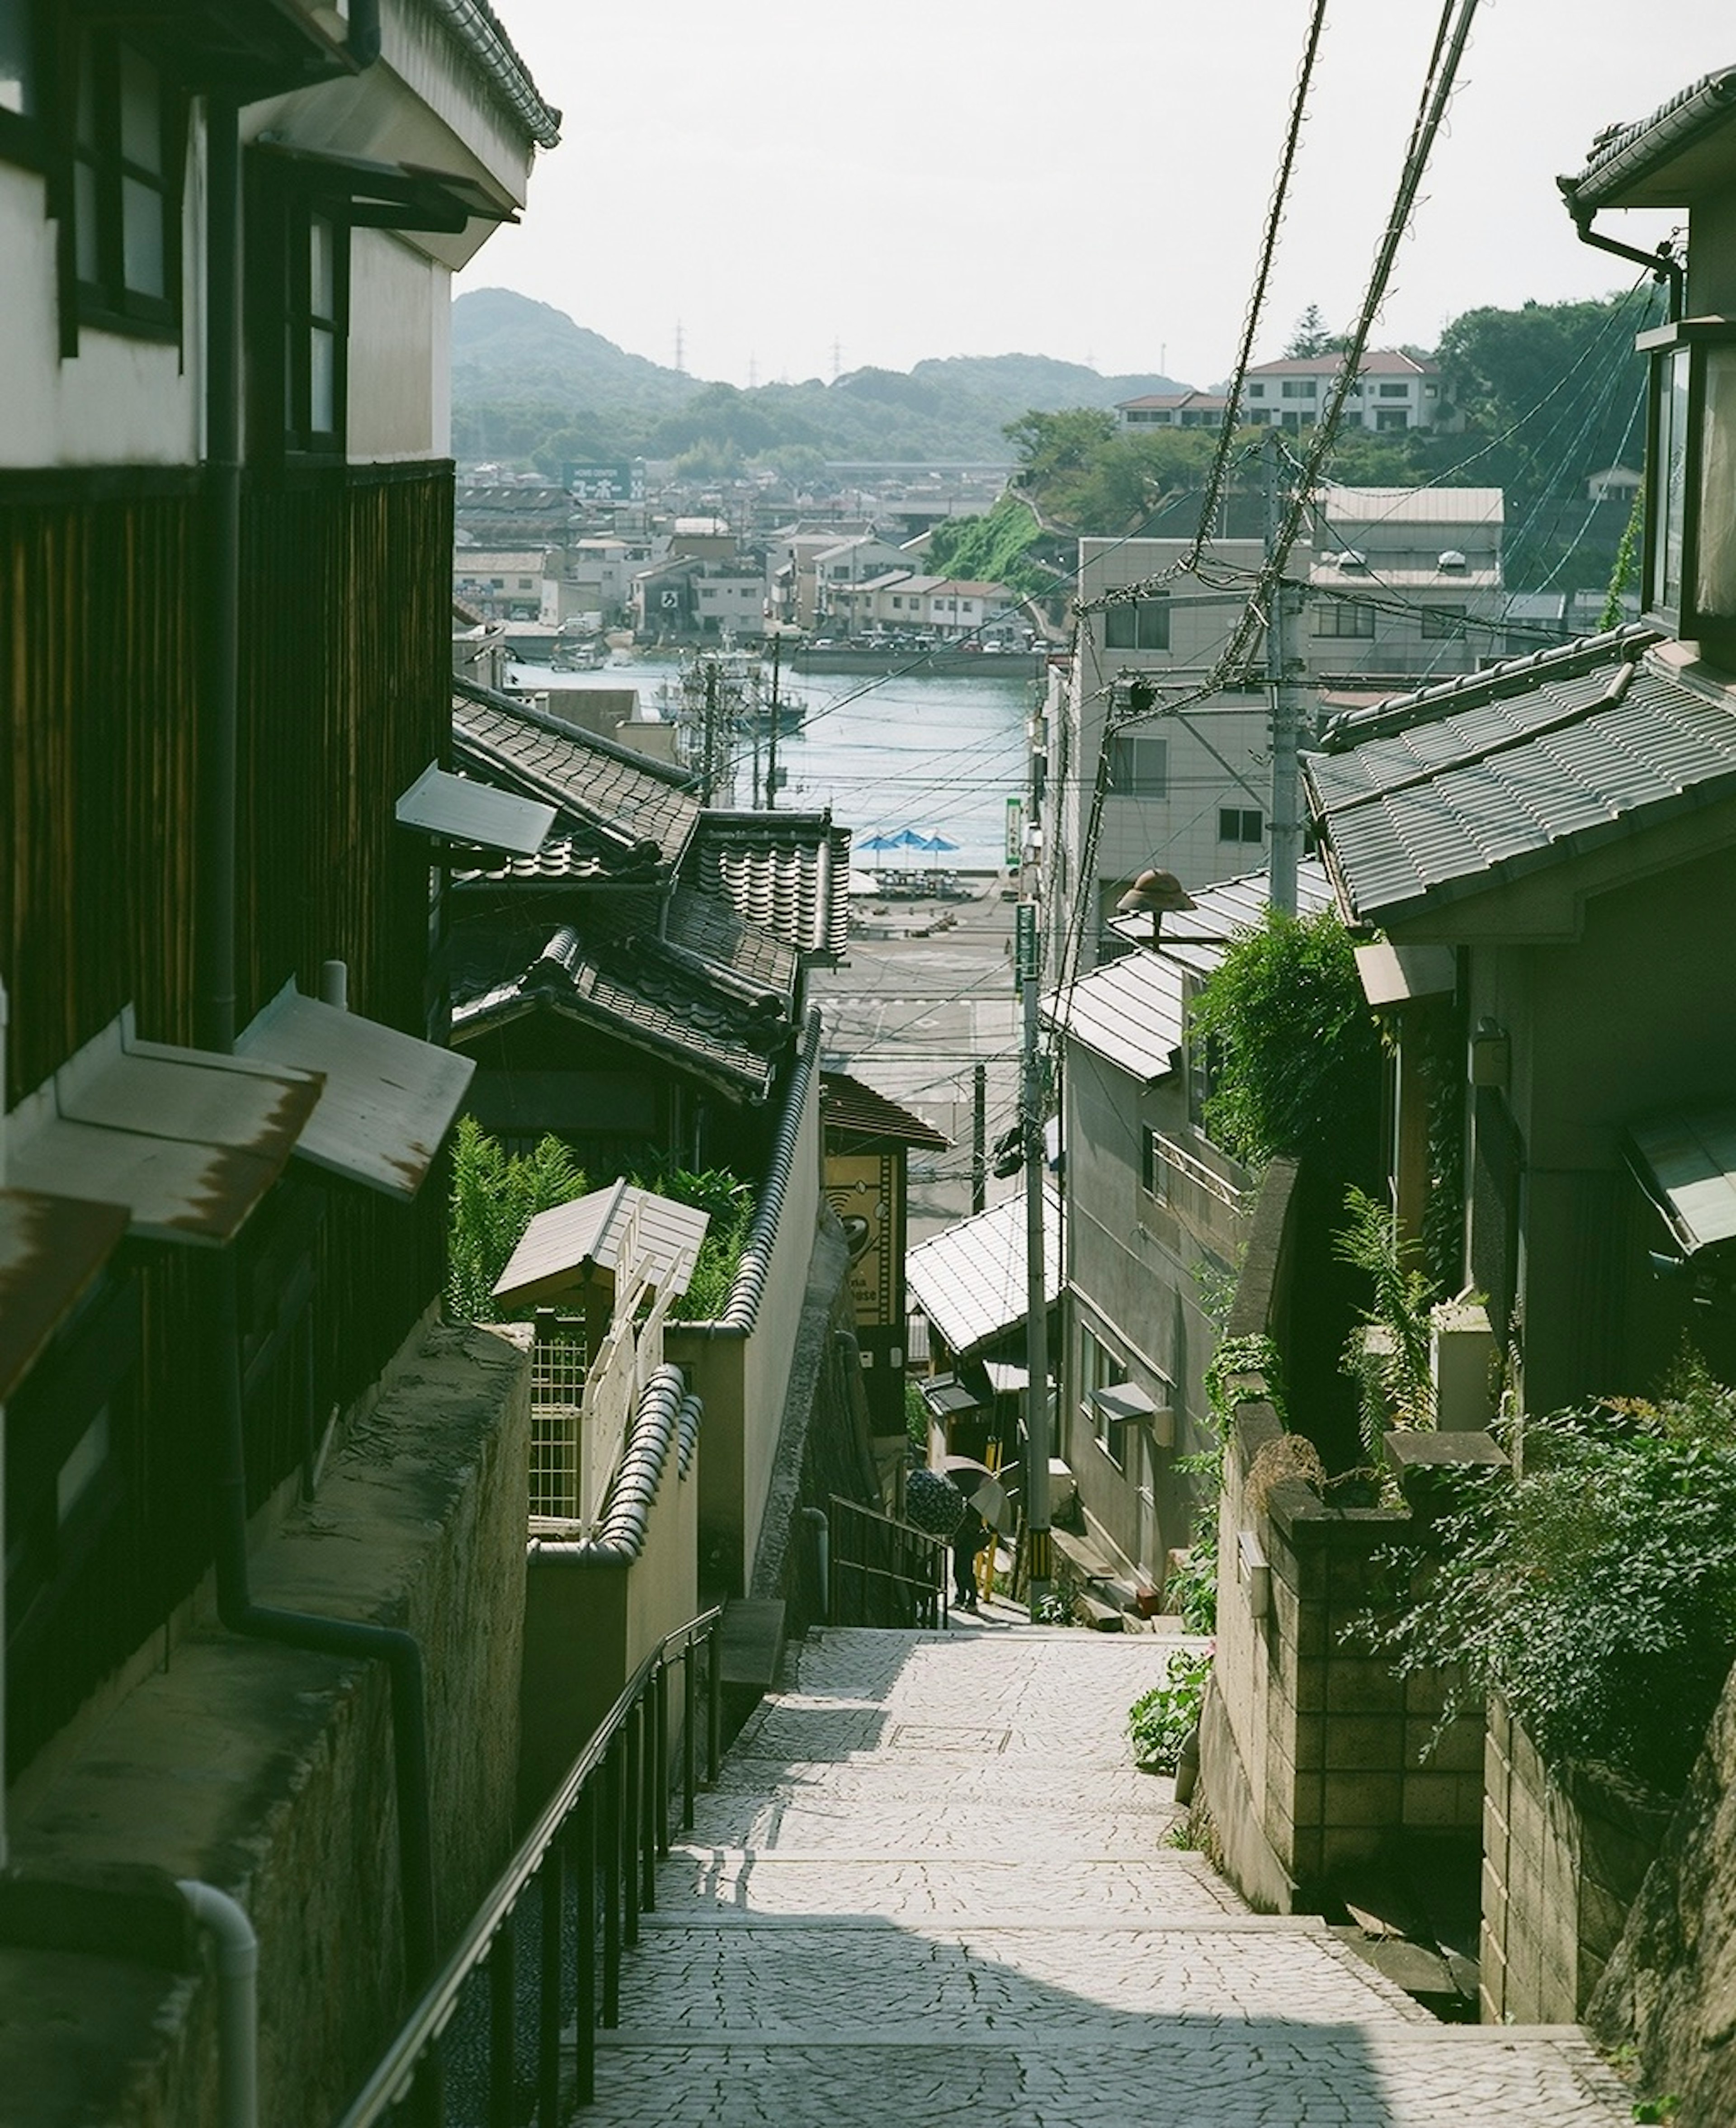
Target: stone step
[810, 1823]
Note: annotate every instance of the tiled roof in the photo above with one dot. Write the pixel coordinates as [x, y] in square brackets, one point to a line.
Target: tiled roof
[1412, 506]
[633, 989]
[788, 873]
[969, 1282]
[847, 1105]
[619, 812]
[1664, 160]
[1132, 1011]
[700, 930]
[1438, 795]
[1376, 361]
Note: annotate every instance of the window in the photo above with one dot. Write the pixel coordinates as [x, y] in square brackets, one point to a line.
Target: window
[1690, 543]
[126, 221]
[1343, 617]
[1256, 391]
[20, 83]
[1391, 418]
[1137, 624]
[1240, 823]
[298, 298]
[1394, 391]
[1153, 1174]
[1300, 387]
[1139, 766]
[1097, 1368]
[1442, 624]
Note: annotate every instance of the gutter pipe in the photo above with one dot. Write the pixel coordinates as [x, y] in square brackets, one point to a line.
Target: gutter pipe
[1664, 264]
[238, 2008]
[822, 1538]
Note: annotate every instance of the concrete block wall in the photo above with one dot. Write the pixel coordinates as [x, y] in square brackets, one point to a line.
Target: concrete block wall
[1313, 1754]
[1564, 1857]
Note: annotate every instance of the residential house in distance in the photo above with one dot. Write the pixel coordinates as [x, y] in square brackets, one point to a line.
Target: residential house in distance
[501, 584]
[1405, 581]
[1394, 392]
[1154, 1216]
[1171, 410]
[1186, 792]
[227, 236]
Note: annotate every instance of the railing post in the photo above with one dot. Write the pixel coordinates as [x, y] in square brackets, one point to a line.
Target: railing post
[503, 2004]
[689, 1733]
[656, 1827]
[584, 1990]
[548, 1991]
[633, 1799]
[612, 1886]
[715, 1705]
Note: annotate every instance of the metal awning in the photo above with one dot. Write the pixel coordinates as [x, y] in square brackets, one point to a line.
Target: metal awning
[475, 814]
[186, 1141]
[1686, 1162]
[389, 1099]
[1123, 1400]
[1390, 975]
[567, 1247]
[51, 1248]
[970, 1280]
[946, 1396]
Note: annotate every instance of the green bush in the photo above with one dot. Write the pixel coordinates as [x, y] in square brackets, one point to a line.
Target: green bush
[730, 1202]
[1160, 1720]
[1597, 1591]
[495, 1196]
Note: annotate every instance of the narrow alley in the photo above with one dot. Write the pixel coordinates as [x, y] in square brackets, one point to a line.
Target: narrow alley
[931, 1886]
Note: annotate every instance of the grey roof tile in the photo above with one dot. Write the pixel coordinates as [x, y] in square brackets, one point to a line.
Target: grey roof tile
[788, 872]
[1515, 768]
[969, 1282]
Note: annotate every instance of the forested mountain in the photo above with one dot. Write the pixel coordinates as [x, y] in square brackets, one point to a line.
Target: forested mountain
[528, 383]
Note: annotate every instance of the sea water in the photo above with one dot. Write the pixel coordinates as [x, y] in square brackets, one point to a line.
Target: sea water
[937, 753]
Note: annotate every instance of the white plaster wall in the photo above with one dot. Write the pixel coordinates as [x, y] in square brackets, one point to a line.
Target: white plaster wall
[118, 401]
[401, 307]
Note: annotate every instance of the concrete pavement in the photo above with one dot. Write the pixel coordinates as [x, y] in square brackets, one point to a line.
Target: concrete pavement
[931, 1888]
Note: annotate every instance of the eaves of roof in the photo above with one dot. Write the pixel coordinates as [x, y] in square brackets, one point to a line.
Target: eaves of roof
[1668, 160]
[970, 1280]
[856, 1110]
[1458, 789]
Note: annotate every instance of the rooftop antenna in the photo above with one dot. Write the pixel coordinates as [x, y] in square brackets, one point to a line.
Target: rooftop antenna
[681, 349]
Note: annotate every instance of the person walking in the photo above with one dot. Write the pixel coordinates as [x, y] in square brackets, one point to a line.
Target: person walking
[967, 1541]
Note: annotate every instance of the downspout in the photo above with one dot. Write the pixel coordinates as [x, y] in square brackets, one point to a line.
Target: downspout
[822, 1539]
[219, 752]
[238, 2009]
[1663, 263]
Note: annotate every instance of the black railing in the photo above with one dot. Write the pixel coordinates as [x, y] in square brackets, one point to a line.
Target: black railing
[883, 1572]
[569, 1900]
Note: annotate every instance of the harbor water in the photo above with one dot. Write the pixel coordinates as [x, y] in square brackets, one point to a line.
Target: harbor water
[937, 754]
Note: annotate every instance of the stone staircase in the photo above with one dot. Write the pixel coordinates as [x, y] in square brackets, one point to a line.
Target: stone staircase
[931, 1887]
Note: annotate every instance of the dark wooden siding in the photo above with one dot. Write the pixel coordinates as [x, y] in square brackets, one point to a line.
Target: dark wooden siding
[345, 695]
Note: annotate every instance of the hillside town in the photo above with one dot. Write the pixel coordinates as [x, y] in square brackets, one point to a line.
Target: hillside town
[844, 1289]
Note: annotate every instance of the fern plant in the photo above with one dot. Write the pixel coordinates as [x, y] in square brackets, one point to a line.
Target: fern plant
[495, 1194]
[1391, 1368]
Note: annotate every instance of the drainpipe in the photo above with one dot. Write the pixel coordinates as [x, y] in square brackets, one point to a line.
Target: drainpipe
[362, 43]
[238, 2011]
[1663, 263]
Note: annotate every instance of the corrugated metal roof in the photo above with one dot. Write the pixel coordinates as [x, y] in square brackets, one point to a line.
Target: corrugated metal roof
[51, 1248]
[1686, 1163]
[1500, 774]
[562, 1249]
[186, 1141]
[1412, 506]
[389, 1099]
[969, 1282]
[847, 1105]
[1132, 1011]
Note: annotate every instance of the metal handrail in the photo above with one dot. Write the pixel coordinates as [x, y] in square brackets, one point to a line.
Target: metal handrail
[622, 1842]
[919, 1572]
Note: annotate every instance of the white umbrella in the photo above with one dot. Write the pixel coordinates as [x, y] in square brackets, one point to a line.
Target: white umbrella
[863, 882]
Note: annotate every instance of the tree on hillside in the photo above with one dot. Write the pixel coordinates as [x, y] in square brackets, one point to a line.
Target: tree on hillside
[1309, 337]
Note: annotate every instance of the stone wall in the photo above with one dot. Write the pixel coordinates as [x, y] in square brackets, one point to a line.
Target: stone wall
[1564, 1858]
[1669, 1989]
[268, 1771]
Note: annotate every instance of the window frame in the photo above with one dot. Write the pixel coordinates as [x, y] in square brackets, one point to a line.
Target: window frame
[1346, 619]
[1125, 778]
[24, 134]
[109, 303]
[1137, 624]
[1443, 624]
[286, 322]
[1097, 1368]
[1242, 815]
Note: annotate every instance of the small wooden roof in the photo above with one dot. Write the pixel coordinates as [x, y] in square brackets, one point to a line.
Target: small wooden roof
[578, 1244]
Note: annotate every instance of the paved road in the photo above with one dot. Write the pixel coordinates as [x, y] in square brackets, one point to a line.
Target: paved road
[931, 1890]
[910, 1015]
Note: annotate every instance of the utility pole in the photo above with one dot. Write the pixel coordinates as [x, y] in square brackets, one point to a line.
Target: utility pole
[978, 1139]
[711, 731]
[771, 739]
[1039, 1565]
[1283, 663]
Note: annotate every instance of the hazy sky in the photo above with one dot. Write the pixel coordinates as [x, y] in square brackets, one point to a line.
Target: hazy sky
[800, 188]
